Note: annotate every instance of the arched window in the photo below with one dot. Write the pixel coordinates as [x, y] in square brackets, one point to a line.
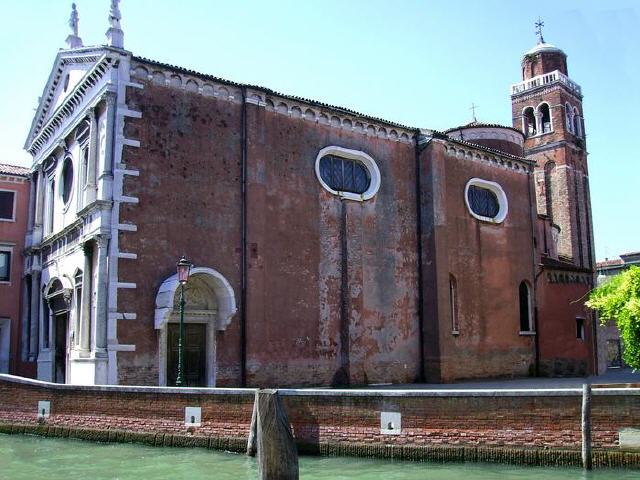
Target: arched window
[529, 122]
[453, 304]
[545, 117]
[525, 308]
[576, 122]
[568, 114]
[50, 205]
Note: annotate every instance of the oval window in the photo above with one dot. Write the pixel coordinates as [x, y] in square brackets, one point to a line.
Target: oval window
[349, 174]
[67, 180]
[344, 174]
[486, 200]
[483, 201]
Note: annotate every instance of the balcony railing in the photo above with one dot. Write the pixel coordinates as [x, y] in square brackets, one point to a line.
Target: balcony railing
[546, 79]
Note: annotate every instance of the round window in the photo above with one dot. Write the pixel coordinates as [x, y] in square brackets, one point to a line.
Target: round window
[67, 180]
[486, 200]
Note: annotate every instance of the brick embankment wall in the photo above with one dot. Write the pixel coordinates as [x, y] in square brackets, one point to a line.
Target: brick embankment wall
[150, 415]
[529, 427]
[522, 427]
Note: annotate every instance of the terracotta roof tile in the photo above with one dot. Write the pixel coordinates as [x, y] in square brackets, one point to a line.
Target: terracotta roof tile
[6, 169]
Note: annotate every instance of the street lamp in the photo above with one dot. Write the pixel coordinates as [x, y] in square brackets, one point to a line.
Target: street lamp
[184, 267]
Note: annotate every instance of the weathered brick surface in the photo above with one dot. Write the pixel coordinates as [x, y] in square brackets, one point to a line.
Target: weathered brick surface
[517, 429]
[189, 195]
[552, 422]
[428, 420]
[222, 415]
[488, 261]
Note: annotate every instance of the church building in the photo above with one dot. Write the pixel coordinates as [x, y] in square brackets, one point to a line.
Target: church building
[328, 247]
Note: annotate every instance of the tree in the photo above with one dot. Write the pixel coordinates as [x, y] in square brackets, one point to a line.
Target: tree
[619, 299]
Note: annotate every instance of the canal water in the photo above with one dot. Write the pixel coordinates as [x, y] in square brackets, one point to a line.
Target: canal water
[28, 457]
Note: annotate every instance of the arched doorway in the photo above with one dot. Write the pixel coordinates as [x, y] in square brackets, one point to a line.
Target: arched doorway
[58, 300]
[210, 305]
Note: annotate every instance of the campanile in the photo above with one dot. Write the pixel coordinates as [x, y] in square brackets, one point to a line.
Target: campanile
[547, 107]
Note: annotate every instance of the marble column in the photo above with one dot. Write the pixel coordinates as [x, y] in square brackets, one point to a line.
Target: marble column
[90, 174]
[87, 287]
[538, 116]
[105, 180]
[102, 291]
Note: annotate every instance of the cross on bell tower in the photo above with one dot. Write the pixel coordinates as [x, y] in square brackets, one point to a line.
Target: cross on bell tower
[473, 111]
[539, 24]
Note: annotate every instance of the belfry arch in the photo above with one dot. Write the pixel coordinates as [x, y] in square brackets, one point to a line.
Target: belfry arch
[209, 308]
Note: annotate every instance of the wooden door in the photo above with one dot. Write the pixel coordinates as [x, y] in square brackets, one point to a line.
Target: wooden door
[194, 354]
[61, 327]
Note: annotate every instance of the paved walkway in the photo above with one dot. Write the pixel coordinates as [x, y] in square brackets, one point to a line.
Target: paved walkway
[617, 376]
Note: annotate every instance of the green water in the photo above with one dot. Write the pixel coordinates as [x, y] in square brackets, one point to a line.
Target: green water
[27, 457]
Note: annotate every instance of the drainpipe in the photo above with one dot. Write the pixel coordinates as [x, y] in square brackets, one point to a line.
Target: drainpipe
[243, 247]
[418, 148]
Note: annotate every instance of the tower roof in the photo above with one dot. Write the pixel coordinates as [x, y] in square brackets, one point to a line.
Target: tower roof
[544, 47]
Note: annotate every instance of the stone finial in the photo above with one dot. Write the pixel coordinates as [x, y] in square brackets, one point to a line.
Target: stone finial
[115, 35]
[73, 40]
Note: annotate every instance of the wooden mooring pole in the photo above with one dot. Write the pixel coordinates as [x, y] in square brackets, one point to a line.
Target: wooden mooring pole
[271, 436]
[586, 426]
[253, 430]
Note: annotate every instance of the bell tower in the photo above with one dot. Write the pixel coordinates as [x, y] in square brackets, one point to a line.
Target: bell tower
[547, 107]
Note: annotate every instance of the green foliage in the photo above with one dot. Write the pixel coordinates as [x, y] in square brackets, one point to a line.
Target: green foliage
[619, 299]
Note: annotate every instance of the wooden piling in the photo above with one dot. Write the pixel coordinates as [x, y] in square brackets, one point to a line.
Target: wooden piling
[277, 452]
[586, 426]
[253, 430]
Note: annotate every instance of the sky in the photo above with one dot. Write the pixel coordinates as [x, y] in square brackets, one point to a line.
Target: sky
[418, 63]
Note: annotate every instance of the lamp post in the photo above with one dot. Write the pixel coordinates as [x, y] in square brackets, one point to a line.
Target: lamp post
[184, 267]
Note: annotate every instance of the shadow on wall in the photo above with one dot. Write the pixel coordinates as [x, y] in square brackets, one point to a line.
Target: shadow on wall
[307, 435]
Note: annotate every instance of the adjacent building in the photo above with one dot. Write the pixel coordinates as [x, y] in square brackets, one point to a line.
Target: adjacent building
[330, 247]
[14, 203]
[610, 347]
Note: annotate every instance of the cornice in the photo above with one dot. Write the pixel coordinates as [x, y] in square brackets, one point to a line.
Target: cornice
[78, 224]
[294, 107]
[542, 90]
[42, 132]
[458, 149]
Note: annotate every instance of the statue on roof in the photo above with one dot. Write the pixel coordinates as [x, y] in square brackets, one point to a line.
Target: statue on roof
[73, 40]
[114, 14]
[73, 20]
[115, 35]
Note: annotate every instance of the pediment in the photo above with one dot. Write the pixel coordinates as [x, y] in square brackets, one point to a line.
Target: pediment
[70, 70]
